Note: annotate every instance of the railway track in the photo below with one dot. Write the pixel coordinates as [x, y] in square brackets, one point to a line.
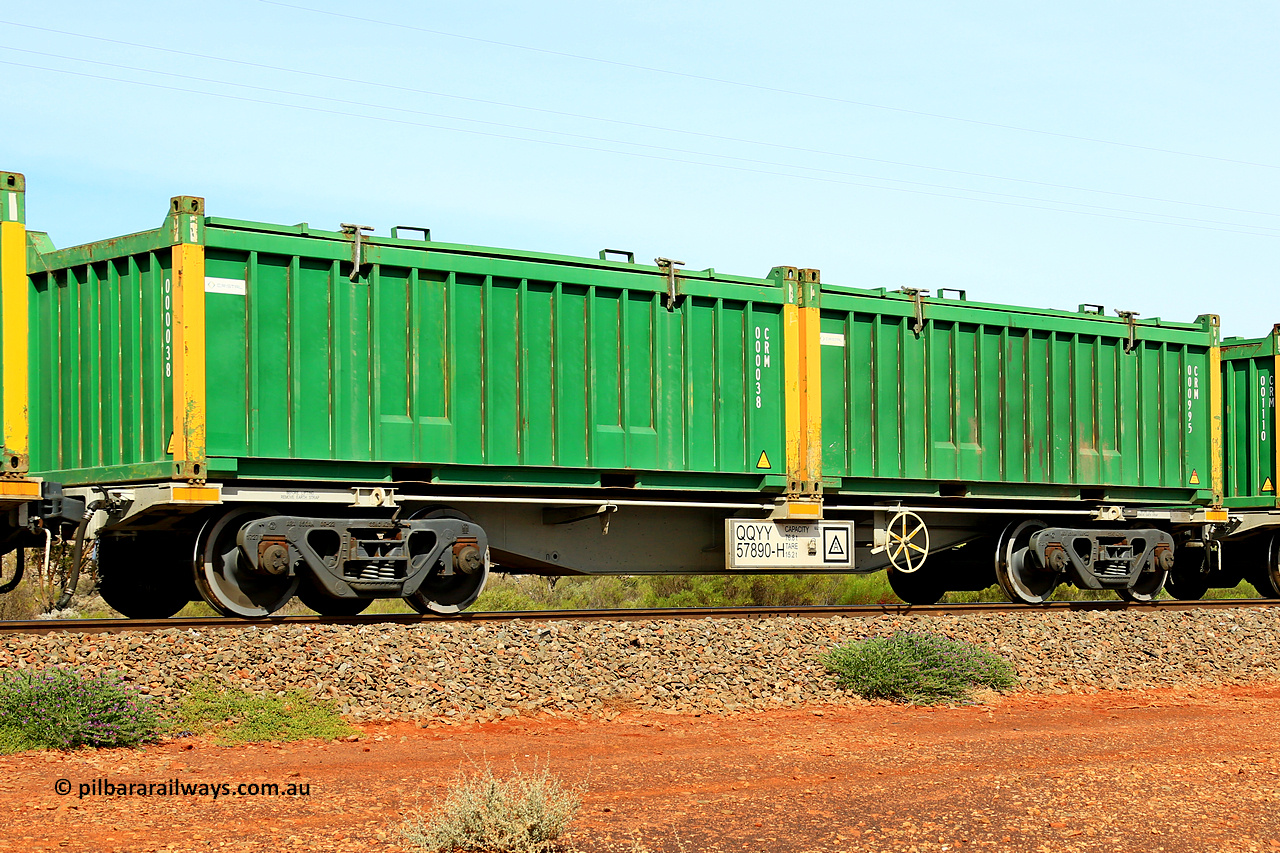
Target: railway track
[100, 626]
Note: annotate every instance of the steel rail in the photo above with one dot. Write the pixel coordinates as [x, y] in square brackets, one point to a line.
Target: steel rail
[98, 626]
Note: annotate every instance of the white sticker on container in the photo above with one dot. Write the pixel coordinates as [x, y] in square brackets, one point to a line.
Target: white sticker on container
[832, 339]
[13, 207]
[233, 286]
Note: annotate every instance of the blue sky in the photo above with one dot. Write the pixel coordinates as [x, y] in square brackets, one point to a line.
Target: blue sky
[1046, 155]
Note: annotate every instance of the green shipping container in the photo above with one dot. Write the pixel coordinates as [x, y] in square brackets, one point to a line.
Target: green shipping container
[338, 355]
[948, 398]
[1249, 420]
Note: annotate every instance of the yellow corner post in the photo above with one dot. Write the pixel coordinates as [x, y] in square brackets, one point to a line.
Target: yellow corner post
[188, 338]
[811, 378]
[1217, 477]
[802, 381]
[13, 315]
[1275, 412]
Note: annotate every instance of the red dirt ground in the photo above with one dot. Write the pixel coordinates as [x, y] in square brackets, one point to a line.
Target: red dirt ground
[1150, 770]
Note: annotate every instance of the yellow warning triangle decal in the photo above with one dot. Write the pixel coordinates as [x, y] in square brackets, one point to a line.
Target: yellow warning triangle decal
[1267, 487]
[1195, 478]
[763, 462]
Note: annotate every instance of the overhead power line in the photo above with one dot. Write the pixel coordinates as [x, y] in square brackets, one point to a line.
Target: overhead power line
[1258, 231]
[606, 140]
[666, 149]
[763, 88]
[602, 119]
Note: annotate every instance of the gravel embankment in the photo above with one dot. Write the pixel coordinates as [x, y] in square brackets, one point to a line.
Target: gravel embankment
[458, 671]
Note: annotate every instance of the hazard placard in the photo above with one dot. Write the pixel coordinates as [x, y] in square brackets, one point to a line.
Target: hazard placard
[835, 545]
[769, 544]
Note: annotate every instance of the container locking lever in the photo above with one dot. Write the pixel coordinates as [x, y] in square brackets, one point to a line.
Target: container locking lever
[917, 296]
[357, 259]
[1130, 317]
[668, 268]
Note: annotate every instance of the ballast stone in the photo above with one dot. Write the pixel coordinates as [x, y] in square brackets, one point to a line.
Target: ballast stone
[457, 671]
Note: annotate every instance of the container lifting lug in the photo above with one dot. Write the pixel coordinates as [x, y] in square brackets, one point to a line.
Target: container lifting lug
[1131, 318]
[917, 296]
[357, 254]
[668, 268]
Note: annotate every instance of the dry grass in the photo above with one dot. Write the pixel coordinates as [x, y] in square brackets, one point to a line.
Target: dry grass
[524, 812]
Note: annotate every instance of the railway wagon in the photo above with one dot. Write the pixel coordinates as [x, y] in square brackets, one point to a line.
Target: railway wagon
[1247, 545]
[241, 412]
[1036, 446]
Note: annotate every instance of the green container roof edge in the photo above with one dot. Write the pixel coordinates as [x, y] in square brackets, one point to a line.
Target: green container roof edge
[1202, 323]
[44, 257]
[1242, 348]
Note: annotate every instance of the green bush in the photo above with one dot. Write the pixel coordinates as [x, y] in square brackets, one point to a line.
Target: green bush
[238, 716]
[917, 668]
[62, 709]
[523, 813]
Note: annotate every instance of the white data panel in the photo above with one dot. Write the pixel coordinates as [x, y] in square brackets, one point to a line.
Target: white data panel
[788, 544]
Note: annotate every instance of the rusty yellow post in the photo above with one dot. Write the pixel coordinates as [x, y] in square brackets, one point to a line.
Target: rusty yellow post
[1275, 411]
[802, 390]
[1217, 479]
[811, 380]
[13, 317]
[185, 333]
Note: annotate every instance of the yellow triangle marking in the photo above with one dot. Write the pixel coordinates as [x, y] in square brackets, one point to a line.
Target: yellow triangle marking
[1267, 487]
[169, 449]
[763, 462]
[1195, 478]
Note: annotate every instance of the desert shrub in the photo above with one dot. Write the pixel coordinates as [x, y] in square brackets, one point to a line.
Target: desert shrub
[864, 589]
[238, 716]
[763, 590]
[525, 592]
[919, 668]
[525, 812]
[62, 709]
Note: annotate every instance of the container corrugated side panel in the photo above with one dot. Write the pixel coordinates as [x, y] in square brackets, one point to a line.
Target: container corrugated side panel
[1003, 403]
[101, 405]
[482, 367]
[1249, 421]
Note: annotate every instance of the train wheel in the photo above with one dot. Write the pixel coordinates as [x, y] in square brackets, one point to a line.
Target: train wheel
[1187, 581]
[1186, 587]
[1147, 588]
[144, 578]
[227, 580]
[19, 569]
[447, 594]
[310, 594]
[916, 587]
[1266, 578]
[1015, 573]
